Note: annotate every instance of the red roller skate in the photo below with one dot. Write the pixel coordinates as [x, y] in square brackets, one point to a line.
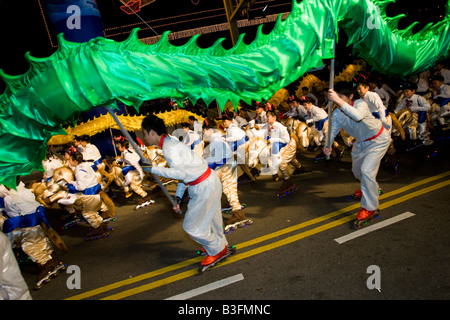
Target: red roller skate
[211, 261]
[364, 216]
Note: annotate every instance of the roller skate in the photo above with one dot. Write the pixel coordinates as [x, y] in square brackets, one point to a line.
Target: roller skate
[300, 170]
[320, 157]
[357, 195]
[201, 252]
[211, 261]
[102, 231]
[238, 220]
[48, 271]
[70, 220]
[364, 216]
[229, 209]
[286, 187]
[255, 172]
[145, 202]
[243, 178]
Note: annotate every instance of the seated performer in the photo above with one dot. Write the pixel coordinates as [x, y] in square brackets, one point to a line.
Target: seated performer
[50, 164]
[237, 119]
[219, 157]
[90, 152]
[441, 97]
[193, 140]
[375, 104]
[12, 283]
[203, 218]
[23, 228]
[261, 117]
[238, 141]
[317, 116]
[283, 151]
[310, 96]
[372, 142]
[420, 106]
[87, 189]
[132, 174]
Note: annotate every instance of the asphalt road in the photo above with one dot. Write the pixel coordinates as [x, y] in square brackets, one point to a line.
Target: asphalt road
[288, 253]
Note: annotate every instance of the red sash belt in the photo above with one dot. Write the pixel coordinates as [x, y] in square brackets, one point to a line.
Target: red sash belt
[371, 138]
[201, 178]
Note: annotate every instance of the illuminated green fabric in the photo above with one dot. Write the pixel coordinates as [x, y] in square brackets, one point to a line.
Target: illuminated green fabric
[78, 77]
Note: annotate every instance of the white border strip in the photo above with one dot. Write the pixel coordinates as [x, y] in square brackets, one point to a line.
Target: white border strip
[209, 287]
[374, 227]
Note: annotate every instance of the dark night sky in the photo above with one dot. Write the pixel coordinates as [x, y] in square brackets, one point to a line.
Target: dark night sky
[22, 25]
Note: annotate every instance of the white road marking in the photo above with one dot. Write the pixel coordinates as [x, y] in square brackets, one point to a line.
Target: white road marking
[373, 227]
[209, 287]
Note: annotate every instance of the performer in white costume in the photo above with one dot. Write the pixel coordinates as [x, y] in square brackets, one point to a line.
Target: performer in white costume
[420, 106]
[372, 142]
[375, 104]
[238, 141]
[12, 284]
[317, 116]
[23, 229]
[283, 151]
[193, 140]
[219, 156]
[87, 189]
[203, 218]
[132, 175]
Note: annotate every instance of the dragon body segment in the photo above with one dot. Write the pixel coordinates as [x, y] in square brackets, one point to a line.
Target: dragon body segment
[78, 77]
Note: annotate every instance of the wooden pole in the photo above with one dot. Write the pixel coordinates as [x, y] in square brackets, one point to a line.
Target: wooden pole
[145, 162]
[329, 143]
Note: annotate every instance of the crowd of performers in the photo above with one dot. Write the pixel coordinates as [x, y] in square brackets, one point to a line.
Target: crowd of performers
[204, 159]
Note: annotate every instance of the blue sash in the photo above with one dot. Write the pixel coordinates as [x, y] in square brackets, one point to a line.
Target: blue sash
[277, 146]
[127, 169]
[26, 221]
[195, 143]
[238, 143]
[377, 114]
[215, 165]
[422, 116]
[319, 124]
[442, 101]
[96, 163]
[88, 191]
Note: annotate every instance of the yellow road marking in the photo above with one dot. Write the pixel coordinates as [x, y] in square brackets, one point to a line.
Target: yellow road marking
[264, 248]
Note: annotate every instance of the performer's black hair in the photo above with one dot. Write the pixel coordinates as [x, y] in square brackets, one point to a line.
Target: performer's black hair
[77, 156]
[272, 113]
[152, 122]
[344, 88]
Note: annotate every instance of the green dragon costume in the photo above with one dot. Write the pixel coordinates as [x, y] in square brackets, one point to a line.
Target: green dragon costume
[78, 77]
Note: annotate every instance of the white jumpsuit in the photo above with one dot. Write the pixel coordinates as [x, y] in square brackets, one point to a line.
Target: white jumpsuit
[12, 284]
[372, 142]
[203, 219]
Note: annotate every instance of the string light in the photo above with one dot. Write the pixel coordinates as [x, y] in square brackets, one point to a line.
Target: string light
[214, 28]
[179, 19]
[46, 26]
